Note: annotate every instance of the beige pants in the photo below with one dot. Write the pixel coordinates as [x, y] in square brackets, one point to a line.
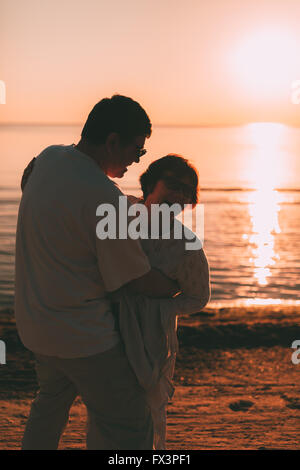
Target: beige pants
[119, 417]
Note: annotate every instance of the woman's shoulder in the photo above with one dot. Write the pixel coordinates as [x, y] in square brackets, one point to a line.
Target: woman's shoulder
[133, 199]
[186, 237]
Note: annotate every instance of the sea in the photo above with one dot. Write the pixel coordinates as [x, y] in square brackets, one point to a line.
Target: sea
[249, 187]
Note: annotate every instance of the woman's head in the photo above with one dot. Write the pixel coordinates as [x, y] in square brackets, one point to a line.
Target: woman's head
[170, 179]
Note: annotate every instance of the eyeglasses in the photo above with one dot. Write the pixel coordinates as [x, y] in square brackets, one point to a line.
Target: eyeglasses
[175, 184]
[140, 152]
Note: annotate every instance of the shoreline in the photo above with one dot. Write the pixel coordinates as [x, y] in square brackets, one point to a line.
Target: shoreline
[235, 384]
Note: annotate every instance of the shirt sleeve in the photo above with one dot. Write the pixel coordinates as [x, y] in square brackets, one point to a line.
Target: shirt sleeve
[192, 275]
[120, 261]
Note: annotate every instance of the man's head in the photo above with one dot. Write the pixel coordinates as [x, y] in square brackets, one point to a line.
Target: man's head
[116, 130]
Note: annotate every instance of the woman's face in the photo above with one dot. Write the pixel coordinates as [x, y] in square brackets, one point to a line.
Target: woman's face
[171, 189]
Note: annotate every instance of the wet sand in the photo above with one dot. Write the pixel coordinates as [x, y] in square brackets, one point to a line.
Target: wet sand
[236, 386]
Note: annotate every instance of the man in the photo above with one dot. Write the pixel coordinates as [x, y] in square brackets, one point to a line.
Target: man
[64, 274]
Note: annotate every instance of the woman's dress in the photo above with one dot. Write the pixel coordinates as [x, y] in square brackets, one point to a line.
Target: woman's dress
[148, 325]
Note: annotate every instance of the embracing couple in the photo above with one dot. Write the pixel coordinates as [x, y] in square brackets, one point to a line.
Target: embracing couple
[100, 313]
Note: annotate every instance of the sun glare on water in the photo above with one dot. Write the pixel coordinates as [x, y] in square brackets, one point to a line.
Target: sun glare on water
[265, 170]
[263, 209]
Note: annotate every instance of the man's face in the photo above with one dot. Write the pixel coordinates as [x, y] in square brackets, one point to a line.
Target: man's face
[124, 156]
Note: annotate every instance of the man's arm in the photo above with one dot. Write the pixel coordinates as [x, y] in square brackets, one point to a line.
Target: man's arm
[122, 261]
[193, 283]
[154, 284]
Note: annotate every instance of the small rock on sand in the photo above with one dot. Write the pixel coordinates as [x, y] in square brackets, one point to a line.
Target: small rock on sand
[241, 405]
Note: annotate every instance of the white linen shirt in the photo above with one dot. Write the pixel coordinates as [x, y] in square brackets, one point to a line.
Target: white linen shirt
[63, 271]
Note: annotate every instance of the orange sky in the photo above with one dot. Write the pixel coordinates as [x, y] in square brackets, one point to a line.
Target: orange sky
[188, 62]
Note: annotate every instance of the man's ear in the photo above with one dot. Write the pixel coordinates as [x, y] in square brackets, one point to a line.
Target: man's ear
[112, 143]
[150, 188]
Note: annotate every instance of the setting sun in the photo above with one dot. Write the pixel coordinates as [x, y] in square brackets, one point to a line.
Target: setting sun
[264, 62]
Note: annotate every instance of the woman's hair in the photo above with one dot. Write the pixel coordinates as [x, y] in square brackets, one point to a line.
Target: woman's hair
[118, 114]
[172, 164]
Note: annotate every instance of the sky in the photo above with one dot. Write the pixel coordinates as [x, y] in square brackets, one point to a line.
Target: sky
[191, 62]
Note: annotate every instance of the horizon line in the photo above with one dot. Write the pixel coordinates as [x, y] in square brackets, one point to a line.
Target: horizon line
[231, 188]
[204, 125]
[207, 188]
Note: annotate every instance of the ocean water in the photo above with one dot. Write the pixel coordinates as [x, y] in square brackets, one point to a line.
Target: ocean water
[250, 189]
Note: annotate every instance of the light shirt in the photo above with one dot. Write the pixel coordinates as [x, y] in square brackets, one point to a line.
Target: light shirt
[64, 272]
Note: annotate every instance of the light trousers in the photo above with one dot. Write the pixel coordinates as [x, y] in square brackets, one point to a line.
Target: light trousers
[119, 417]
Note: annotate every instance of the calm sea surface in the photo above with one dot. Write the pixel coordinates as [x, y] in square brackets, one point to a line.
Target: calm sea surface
[251, 237]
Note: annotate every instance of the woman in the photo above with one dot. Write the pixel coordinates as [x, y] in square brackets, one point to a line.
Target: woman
[148, 326]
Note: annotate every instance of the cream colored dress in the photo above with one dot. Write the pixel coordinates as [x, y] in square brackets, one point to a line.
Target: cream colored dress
[148, 325]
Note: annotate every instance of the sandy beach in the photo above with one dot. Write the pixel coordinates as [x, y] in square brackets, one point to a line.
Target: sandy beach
[236, 386]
